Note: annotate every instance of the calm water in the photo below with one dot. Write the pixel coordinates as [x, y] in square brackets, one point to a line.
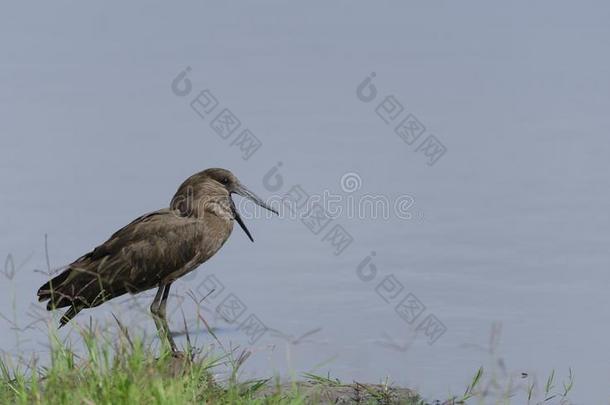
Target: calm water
[507, 242]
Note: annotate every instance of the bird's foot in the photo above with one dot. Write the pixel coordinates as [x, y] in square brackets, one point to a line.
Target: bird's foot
[178, 354]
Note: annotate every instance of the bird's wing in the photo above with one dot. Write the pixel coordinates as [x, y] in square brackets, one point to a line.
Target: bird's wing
[135, 258]
[153, 247]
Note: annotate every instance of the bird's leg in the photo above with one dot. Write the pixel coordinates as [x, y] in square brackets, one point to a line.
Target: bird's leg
[154, 309]
[163, 317]
[158, 309]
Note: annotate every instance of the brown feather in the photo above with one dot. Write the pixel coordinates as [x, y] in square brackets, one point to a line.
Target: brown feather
[154, 249]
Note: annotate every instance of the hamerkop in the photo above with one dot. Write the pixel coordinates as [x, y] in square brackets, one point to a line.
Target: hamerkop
[154, 250]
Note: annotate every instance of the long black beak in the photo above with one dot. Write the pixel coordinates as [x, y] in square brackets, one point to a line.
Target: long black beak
[240, 221]
[244, 192]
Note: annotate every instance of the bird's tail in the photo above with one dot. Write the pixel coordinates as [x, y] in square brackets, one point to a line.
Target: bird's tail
[68, 315]
[51, 290]
[70, 289]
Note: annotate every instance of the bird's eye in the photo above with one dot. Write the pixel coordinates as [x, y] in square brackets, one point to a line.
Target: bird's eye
[225, 180]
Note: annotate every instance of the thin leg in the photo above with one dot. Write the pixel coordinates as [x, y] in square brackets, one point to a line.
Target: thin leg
[162, 313]
[163, 303]
[158, 309]
[154, 308]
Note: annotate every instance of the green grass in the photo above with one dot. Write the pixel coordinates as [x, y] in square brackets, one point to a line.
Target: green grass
[110, 370]
[130, 371]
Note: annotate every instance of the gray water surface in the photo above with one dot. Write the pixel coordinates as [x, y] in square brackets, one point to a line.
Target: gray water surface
[508, 235]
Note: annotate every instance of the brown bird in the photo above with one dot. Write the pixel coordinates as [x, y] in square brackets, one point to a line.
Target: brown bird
[154, 250]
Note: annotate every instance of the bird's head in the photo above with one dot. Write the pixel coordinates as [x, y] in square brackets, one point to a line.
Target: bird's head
[223, 177]
[213, 186]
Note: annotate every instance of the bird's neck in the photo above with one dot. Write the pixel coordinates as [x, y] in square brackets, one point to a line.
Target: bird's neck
[220, 206]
